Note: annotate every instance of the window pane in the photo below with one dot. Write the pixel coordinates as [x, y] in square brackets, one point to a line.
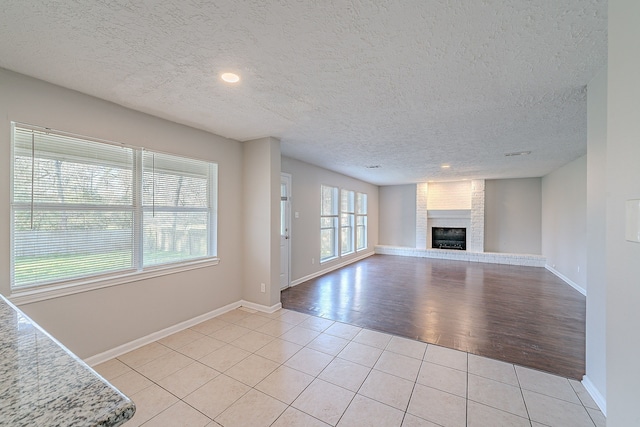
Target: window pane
[70, 244]
[329, 204]
[361, 232]
[328, 243]
[174, 236]
[347, 201]
[361, 204]
[174, 181]
[69, 170]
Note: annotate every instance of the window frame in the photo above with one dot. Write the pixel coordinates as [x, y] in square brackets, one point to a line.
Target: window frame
[347, 222]
[70, 285]
[362, 215]
[331, 217]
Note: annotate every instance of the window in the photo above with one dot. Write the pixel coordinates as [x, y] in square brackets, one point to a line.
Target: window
[328, 223]
[351, 213]
[361, 221]
[347, 219]
[82, 208]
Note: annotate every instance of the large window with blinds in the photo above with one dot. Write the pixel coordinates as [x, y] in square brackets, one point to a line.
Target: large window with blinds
[83, 208]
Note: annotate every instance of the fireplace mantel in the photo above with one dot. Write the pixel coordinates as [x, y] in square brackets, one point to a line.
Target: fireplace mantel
[449, 213]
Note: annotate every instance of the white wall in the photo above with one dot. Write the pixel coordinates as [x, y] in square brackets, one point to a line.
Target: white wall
[398, 215]
[95, 321]
[564, 221]
[513, 215]
[623, 183]
[261, 195]
[305, 230]
[596, 236]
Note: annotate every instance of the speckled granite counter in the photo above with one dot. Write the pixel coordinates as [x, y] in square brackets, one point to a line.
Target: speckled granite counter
[43, 384]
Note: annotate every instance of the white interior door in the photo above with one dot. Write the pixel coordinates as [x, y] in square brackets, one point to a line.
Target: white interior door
[285, 227]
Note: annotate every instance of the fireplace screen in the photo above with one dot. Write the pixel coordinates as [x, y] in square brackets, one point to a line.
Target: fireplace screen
[449, 238]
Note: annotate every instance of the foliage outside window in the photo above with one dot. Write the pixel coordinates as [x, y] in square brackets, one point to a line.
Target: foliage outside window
[351, 215]
[84, 209]
[328, 223]
[347, 219]
[361, 221]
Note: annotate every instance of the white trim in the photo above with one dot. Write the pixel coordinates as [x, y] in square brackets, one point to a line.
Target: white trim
[567, 280]
[330, 269]
[31, 295]
[595, 394]
[260, 307]
[155, 336]
[527, 260]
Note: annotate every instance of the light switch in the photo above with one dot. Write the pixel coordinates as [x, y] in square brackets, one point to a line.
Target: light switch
[632, 230]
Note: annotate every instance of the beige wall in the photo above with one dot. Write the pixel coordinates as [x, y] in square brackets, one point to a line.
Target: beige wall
[564, 220]
[305, 230]
[596, 233]
[622, 184]
[95, 321]
[261, 195]
[512, 215]
[398, 215]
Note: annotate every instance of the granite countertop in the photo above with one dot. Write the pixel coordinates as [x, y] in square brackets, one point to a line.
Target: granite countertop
[44, 384]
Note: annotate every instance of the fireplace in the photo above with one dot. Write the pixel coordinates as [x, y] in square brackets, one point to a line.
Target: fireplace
[449, 238]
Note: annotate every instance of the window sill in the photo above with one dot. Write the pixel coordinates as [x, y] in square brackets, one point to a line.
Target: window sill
[42, 293]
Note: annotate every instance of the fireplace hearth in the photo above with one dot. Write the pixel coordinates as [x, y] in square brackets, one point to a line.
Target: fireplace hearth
[449, 238]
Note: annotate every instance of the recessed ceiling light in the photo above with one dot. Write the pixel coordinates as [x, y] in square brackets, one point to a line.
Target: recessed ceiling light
[230, 77]
[445, 166]
[373, 166]
[517, 153]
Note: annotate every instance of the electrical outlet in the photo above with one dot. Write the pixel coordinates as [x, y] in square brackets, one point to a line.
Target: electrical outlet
[263, 287]
[578, 269]
[313, 260]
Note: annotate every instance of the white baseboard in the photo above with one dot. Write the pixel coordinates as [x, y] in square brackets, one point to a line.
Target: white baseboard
[330, 269]
[567, 280]
[595, 394]
[260, 307]
[525, 260]
[155, 336]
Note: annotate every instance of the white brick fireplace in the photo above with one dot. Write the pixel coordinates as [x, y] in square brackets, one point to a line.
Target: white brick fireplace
[451, 204]
[455, 204]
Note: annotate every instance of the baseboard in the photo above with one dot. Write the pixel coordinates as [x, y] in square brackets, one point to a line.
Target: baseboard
[595, 394]
[567, 280]
[155, 336]
[330, 269]
[260, 307]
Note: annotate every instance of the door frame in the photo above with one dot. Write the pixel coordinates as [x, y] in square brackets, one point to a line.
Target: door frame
[287, 179]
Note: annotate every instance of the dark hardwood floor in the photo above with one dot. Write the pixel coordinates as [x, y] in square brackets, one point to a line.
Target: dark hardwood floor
[521, 315]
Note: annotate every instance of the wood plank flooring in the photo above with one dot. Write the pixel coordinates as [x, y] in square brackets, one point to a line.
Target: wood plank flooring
[521, 315]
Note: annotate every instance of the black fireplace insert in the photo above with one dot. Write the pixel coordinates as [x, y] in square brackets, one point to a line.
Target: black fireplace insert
[449, 238]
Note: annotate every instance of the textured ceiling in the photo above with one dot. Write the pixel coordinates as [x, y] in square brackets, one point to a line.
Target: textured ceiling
[407, 84]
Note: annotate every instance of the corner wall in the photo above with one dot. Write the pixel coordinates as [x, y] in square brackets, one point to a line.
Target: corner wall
[513, 216]
[596, 368]
[398, 215]
[305, 229]
[261, 207]
[564, 222]
[622, 184]
[92, 322]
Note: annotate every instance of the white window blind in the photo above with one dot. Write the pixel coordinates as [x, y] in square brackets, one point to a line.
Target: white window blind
[83, 208]
[177, 208]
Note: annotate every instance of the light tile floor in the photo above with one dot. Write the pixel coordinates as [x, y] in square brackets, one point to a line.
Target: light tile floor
[246, 368]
